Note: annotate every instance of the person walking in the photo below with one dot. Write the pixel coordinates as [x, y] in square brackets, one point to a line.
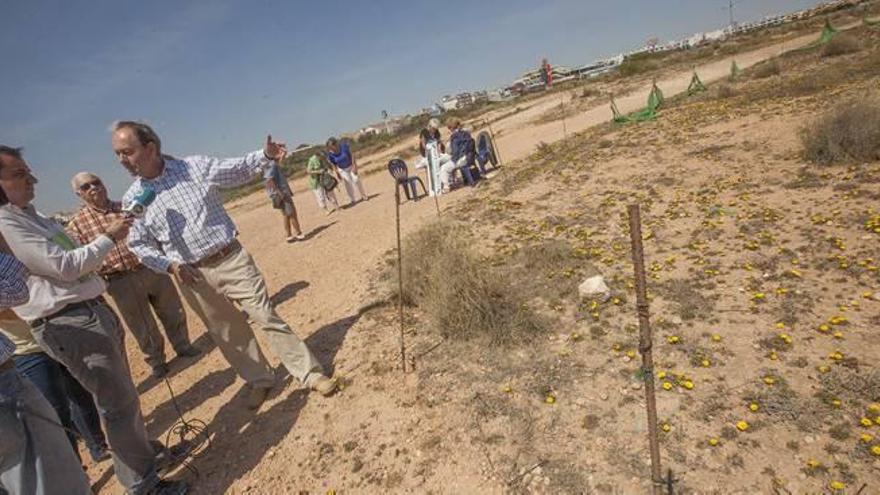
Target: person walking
[281, 196]
[73, 324]
[187, 232]
[317, 170]
[135, 290]
[339, 154]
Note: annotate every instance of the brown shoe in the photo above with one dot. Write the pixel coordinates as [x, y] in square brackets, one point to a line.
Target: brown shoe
[256, 396]
[324, 386]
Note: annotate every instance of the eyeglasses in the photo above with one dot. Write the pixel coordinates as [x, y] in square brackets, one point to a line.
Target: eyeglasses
[88, 186]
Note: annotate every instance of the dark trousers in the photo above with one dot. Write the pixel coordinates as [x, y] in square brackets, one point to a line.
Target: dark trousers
[87, 339]
[73, 404]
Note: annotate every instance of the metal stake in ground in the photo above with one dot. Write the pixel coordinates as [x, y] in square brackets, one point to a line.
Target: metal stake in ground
[400, 280]
[645, 344]
[562, 107]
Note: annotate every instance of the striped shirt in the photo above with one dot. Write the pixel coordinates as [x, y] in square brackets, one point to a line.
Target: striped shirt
[90, 222]
[7, 349]
[187, 222]
[13, 291]
[13, 282]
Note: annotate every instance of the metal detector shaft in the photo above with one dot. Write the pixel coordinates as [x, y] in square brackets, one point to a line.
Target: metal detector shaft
[645, 344]
[400, 281]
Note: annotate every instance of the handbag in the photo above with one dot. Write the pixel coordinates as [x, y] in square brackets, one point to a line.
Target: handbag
[328, 182]
[277, 200]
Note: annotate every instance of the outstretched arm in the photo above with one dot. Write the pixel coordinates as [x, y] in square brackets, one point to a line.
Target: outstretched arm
[234, 172]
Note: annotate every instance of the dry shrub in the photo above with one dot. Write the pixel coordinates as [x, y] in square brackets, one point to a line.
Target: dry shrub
[841, 45]
[590, 92]
[463, 297]
[725, 91]
[850, 131]
[637, 65]
[766, 69]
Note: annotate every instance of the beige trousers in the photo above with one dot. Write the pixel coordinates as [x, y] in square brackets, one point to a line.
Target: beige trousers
[234, 282]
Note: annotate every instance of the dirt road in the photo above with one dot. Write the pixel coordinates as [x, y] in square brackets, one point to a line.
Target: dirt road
[319, 286]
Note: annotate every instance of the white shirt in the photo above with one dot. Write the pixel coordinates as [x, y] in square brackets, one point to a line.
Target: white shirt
[187, 222]
[58, 276]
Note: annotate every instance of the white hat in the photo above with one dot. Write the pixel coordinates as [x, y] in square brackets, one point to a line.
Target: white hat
[434, 123]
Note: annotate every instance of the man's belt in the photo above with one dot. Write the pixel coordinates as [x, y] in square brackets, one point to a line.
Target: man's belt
[225, 251]
[119, 273]
[88, 303]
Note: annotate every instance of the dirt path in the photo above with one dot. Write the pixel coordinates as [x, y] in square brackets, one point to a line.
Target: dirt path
[320, 285]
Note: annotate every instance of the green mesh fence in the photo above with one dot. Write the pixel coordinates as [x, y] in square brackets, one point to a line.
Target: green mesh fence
[828, 32]
[734, 70]
[696, 85]
[655, 99]
[825, 36]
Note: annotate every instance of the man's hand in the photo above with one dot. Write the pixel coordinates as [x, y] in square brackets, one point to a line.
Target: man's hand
[274, 151]
[187, 274]
[118, 229]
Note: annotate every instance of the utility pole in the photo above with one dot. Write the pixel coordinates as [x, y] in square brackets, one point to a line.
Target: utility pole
[730, 10]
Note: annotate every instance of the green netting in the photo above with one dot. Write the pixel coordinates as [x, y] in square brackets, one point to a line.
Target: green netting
[828, 32]
[825, 36]
[696, 85]
[734, 70]
[655, 99]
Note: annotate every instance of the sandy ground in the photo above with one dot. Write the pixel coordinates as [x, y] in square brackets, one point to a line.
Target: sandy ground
[320, 286]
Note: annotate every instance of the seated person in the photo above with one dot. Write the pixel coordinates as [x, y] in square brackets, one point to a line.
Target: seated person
[431, 136]
[462, 150]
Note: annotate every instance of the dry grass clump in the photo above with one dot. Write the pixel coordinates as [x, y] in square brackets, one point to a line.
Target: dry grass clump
[637, 64]
[841, 45]
[690, 303]
[850, 131]
[725, 91]
[463, 298]
[767, 69]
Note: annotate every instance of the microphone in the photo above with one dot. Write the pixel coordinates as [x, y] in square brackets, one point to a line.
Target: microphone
[139, 203]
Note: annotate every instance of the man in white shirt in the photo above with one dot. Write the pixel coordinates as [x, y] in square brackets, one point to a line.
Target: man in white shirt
[72, 323]
[187, 232]
[35, 456]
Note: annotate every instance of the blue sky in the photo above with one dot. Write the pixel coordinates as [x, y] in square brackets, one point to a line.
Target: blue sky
[213, 77]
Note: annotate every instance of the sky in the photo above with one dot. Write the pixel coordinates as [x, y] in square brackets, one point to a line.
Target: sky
[214, 77]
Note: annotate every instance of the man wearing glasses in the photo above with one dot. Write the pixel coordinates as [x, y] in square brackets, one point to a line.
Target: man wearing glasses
[74, 326]
[133, 287]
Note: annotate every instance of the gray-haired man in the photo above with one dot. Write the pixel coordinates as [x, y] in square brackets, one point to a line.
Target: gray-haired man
[136, 290]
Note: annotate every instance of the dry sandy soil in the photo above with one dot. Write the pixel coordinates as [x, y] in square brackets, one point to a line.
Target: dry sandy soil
[731, 212]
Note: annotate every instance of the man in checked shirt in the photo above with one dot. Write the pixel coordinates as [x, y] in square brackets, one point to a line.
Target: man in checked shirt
[133, 287]
[187, 232]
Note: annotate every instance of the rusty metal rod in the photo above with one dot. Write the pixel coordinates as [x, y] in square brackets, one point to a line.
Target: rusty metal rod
[645, 344]
[562, 107]
[400, 281]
